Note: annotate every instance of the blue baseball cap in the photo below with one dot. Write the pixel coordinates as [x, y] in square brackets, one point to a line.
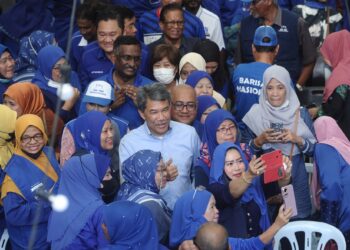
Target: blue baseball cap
[99, 92]
[263, 32]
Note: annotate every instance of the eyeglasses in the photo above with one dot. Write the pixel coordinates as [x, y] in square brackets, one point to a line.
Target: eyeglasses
[225, 130]
[174, 23]
[128, 58]
[28, 139]
[179, 106]
[234, 162]
[6, 60]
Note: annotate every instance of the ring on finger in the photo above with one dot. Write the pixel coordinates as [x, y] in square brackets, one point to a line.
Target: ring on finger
[257, 172]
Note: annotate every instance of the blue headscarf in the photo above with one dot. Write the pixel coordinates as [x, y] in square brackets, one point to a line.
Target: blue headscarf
[130, 226]
[188, 216]
[30, 47]
[196, 76]
[87, 132]
[254, 191]
[204, 102]
[80, 180]
[139, 172]
[212, 123]
[46, 60]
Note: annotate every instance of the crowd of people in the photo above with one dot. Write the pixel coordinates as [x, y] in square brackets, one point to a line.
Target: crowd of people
[155, 123]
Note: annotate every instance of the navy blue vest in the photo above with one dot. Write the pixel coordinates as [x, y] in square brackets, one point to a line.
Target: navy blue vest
[29, 177]
[289, 55]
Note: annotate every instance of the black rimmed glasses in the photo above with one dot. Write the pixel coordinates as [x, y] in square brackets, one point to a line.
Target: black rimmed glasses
[37, 138]
[179, 106]
[174, 23]
[225, 130]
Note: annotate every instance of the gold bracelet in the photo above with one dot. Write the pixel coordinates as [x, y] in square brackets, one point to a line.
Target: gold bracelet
[244, 179]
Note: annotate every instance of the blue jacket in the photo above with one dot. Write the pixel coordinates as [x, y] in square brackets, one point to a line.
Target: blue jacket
[21, 211]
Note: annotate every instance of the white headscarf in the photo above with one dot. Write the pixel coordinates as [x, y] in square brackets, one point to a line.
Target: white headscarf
[195, 59]
[261, 115]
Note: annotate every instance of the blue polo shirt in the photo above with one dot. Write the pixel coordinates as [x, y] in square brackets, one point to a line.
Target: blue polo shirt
[148, 29]
[78, 44]
[128, 110]
[94, 64]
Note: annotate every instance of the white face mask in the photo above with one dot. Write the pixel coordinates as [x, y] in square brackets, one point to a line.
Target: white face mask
[164, 75]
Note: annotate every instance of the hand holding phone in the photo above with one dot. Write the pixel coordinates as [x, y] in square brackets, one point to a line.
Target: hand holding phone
[289, 198]
[274, 166]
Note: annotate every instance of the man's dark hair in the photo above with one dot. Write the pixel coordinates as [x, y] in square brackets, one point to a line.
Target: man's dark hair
[110, 12]
[155, 92]
[89, 9]
[268, 49]
[126, 12]
[167, 8]
[125, 40]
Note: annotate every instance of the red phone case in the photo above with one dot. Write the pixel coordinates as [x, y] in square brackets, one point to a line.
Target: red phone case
[289, 198]
[274, 166]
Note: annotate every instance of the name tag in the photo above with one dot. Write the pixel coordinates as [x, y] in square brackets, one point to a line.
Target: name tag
[150, 38]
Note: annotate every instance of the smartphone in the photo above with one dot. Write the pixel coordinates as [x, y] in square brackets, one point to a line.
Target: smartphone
[276, 126]
[289, 198]
[274, 166]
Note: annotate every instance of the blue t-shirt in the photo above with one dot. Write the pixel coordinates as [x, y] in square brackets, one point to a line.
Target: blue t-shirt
[247, 82]
[148, 29]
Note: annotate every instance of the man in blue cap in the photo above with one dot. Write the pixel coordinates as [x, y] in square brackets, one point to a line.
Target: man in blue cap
[247, 78]
[297, 52]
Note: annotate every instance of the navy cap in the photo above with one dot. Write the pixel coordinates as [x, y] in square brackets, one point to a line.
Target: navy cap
[99, 92]
[262, 32]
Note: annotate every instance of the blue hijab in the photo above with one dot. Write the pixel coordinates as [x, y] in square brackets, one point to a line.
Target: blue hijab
[46, 60]
[196, 76]
[130, 226]
[212, 123]
[188, 216]
[139, 172]
[204, 102]
[87, 132]
[254, 192]
[80, 180]
[30, 47]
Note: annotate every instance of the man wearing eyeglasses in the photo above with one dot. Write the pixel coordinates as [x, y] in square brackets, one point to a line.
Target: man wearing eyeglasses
[171, 22]
[150, 31]
[296, 53]
[125, 79]
[184, 104]
[176, 141]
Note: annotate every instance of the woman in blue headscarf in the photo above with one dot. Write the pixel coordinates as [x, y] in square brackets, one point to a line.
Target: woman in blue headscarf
[26, 62]
[129, 225]
[238, 189]
[50, 78]
[7, 69]
[203, 84]
[145, 175]
[205, 105]
[196, 207]
[220, 126]
[79, 227]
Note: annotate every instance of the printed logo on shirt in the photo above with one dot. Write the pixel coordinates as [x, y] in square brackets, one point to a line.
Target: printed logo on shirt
[97, 72]
[249, 86]
[283, 29]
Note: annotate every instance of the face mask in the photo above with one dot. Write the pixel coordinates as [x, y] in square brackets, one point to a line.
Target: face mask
[164, 75]
[327, 72]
